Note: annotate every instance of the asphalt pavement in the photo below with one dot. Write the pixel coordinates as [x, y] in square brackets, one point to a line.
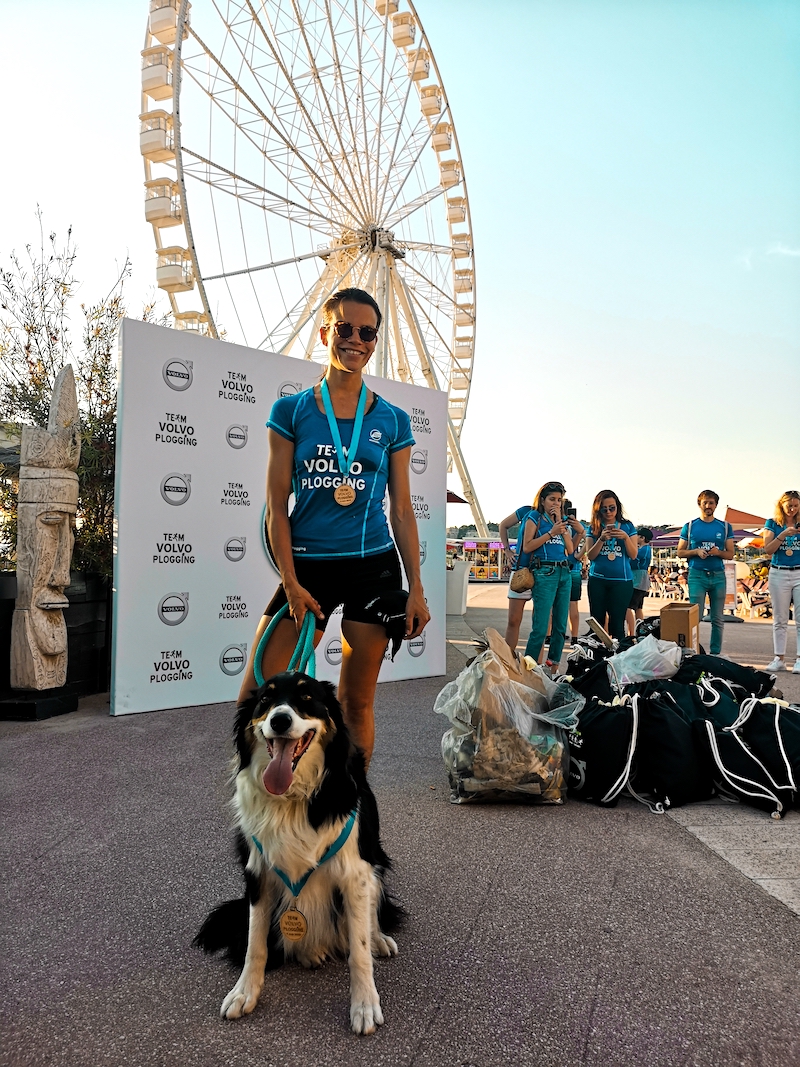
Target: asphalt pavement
[552, 936]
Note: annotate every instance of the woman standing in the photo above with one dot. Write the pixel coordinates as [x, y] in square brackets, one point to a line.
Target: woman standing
[546, 536]
[335, 547]
[516, 601]
[782, 543]
[611, 547]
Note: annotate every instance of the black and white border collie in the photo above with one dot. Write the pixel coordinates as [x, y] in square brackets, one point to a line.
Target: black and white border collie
[298, 778]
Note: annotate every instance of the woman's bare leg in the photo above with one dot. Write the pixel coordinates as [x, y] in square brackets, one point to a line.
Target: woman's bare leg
[363, 648]
[515, 610]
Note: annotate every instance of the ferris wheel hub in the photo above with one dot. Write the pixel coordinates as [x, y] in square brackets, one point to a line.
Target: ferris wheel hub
[378, 239]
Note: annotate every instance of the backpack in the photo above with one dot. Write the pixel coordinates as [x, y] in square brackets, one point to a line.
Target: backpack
[668, 765]
[738, 771]
[601, 749]
[772, 730]
[746, 680]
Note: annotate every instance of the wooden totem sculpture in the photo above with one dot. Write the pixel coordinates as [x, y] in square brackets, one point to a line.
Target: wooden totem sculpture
[48, 501]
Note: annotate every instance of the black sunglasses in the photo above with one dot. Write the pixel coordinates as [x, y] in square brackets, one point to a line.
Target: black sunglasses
[554, 487]
[345, 330]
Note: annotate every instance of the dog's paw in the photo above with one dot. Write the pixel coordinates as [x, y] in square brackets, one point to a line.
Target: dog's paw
[311, 960]
[383, 945]
[241, 1000]
[366, 1016]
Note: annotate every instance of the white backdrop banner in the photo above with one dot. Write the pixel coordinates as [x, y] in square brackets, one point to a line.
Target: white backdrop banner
[192, 575]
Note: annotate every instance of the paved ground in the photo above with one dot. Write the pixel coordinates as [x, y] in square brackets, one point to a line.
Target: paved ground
[764, 850]
[552, 936]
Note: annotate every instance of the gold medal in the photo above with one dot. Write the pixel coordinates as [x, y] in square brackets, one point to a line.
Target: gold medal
[293, 924]
[611, 555]
[789, 551]
[344, 495]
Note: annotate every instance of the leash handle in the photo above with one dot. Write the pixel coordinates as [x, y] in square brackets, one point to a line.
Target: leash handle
[303, 658]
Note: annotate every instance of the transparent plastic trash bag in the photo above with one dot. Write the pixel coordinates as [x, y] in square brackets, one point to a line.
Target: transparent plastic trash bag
[506, 742]
[648, 658]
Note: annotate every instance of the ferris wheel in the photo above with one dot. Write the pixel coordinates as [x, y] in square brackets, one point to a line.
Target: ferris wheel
[303, 146]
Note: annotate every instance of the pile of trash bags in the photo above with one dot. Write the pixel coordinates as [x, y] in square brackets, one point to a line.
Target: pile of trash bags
[669, 727]
[640, 717]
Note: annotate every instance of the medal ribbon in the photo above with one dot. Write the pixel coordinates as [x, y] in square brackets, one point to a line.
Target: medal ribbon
[345, 462]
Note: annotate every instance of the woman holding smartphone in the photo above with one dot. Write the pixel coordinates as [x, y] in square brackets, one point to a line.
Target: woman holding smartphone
[546, 537]
[611, 547]
[782, 544]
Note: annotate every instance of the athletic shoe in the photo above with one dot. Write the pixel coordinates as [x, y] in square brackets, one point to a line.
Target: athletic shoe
[796, 668]
[777, 665]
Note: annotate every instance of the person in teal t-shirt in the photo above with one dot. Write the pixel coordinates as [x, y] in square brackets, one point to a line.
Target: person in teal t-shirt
[516, 559]
[337, 448]
[706, 543]
[782, 545]
[547, 536]
[611, 547]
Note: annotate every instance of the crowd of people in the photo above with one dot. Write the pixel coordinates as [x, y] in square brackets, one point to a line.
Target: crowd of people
[552, 544]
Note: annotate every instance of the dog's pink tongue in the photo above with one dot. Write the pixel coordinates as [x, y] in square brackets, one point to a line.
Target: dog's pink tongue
[278, 776]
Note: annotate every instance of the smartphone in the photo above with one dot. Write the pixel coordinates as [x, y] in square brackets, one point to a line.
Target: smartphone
[572, 513]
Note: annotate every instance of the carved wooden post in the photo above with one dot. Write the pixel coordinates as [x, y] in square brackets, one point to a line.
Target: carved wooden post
[48, 501]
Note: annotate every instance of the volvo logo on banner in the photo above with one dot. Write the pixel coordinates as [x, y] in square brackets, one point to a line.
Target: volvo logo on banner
[289, 389]
[233, 658]
[416, 646]
[177, 373]
[423, 552]
[333, 651]
[235, 548]
[419, 460]
[236, 435]
[173, 608]
[176, 488]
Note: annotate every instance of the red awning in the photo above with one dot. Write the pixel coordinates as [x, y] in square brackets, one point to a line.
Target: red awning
[743, 518]
[454, 498]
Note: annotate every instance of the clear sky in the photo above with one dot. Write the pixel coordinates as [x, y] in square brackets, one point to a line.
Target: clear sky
[634, 179]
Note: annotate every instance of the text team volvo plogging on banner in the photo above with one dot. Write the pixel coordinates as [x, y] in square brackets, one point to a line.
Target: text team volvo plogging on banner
[192, 575]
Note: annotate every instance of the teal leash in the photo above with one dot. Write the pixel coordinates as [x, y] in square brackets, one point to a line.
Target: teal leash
[295, 887]
[303, 658]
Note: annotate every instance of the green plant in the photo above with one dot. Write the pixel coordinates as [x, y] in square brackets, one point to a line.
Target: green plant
[35, 343]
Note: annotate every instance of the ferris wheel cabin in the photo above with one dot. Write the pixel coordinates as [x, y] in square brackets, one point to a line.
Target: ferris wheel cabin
[156, 140]
[162, 202]
[174, 273]
[163, 20]
[157, 72]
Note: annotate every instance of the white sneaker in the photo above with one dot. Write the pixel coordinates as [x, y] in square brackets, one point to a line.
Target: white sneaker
[796, 668]
[777, 665]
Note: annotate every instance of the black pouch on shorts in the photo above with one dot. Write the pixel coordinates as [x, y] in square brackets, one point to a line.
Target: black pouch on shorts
[389, 611]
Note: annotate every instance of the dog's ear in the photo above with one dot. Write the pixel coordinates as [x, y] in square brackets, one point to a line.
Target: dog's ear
[241, 737]
[338, 792]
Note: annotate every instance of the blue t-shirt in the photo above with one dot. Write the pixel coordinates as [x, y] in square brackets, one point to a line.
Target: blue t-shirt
[321, 528]
[641, 566]
[789, 554]
[706, 535]
[551, 550]
[613, 563]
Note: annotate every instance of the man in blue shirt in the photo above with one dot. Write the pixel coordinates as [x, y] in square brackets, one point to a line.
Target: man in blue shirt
[706, 542]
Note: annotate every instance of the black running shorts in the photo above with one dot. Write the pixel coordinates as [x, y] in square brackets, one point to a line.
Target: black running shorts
[350, 581]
